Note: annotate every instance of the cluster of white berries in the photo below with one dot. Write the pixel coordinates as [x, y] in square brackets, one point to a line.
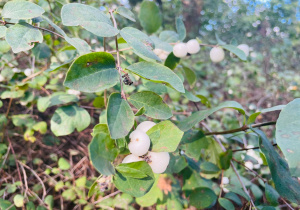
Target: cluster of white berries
[216, 54]
[139, 147]
[181, 50]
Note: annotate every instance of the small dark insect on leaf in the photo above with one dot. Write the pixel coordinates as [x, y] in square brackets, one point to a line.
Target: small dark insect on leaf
[127, 80]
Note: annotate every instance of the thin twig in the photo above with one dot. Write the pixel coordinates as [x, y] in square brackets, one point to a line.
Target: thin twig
[108, 196]
[288, 205]
[119, 68]
[245, 149]
[256, 174]
[16, 161]
[43, 29]
[9, 106]
[35, 174]
[33, 75]
[221, 184]
[25, 179]
[243, 128]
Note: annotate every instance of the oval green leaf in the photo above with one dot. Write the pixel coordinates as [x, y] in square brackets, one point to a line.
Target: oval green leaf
[21, 10]
[136, 187]
[125, 13]
[287, 135]
[150, 16]
[154, 105]
[22, 36]
[68, 118]
[140, 42]
[88, 17]
[165, 137]
[120, 117]
[157, 73]
[203, 198]
[92, 72]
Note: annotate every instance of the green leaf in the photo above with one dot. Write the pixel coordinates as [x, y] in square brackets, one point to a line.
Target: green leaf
[103, 151]
[40, 127]
[81, 45]
[287, 135]
[165, 137]
[5, 204]
[63, 164]
[140, 112]
[190, 76]
[225, 158]
[152, 196]
[150, 16]
[226, 204]
[128, 170]
[197, 117]
[68, 118]
[272, 195]
[88, 17]
[169, 36]
[19, 200]
[153, 104]
[2, 31]
[285, 184]
[233, 49]
[191, 96]
[203, 198]
[172, 61]
[23, 120]
[1, 104]
[41, 51]
[125, 13]
[56, 99]
[232, 196]
[253, 116]
[180, 28]
[4, 46]
[49, 200]
[21, 10]
[209, 168]
[120, 117]
[157, 73]
[21, 37]
[239, 191]
[92, 72]
[140, 42]
[133, 186]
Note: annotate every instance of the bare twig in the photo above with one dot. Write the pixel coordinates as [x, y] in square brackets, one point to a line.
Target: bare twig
[256, 174]
[243, 128]
[119, 68]
[108, 196]
[43, 29]
[35, 174]
[245, 149]
[287, 204]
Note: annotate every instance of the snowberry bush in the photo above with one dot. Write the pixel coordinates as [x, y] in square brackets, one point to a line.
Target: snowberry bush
[130, 73]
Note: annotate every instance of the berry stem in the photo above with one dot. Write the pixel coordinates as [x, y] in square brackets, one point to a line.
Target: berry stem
[119, 68]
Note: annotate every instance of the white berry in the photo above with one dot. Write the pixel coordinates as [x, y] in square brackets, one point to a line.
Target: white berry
[158, 161]
[132, 158]
[217, 54]
[139, 143]
[193, 46]
[244, 48]
[145, 126]
[180, 50]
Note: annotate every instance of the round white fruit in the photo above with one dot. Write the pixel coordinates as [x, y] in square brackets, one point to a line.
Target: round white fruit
[139, 143]
[158, 161]
[217, 54]
[245, 48]
[132, 158]
[180, 50]
[145, 126]
[193, 46]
